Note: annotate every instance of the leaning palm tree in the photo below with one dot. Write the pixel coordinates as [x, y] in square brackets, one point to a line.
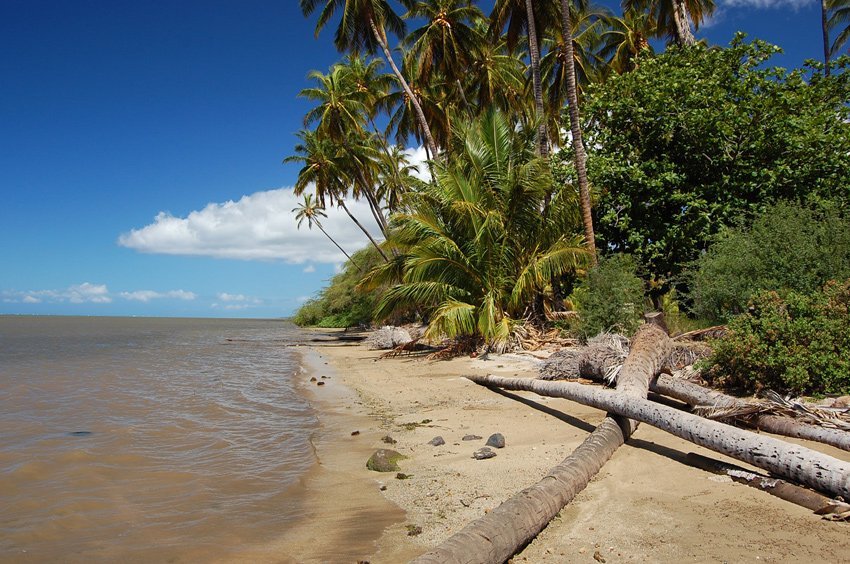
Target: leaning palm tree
[473, 249]
[363, 27]
[311, 210]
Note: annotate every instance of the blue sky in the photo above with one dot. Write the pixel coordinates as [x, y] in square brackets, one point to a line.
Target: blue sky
[141, 147]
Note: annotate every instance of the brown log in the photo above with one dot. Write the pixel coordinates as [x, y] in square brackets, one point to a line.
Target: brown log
[794, 462]
[498, 535]
[774, 486]
[697, 395]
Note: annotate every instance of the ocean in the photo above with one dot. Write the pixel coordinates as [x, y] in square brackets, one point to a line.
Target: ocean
[148, 439]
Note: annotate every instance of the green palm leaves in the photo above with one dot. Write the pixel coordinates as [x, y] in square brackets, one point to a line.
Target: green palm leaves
[474, 249]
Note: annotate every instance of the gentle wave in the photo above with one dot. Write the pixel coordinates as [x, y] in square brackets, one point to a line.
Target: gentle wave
[147, 438]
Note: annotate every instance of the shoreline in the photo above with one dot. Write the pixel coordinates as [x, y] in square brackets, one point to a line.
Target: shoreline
[644, 505]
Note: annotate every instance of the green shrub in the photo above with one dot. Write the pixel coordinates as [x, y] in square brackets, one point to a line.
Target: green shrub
[788, 247]
[789, 342]
[611, 297]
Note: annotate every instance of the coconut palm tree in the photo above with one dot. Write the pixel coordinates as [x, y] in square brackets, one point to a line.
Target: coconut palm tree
[340, 108]
[312, 211]
[363, 27]
[473, 247]
[628, 37]
[673, 17]
[526, 16]
[495, 77]
[325, 171]
[839, 15]
[396, 178]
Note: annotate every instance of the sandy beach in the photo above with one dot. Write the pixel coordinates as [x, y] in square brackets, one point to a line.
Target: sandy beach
[646, 505]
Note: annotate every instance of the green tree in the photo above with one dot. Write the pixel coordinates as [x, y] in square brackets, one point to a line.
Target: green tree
[699, 138]
[839, 15]
[673, 17]
[310, 210]
[363, 27]
[474, 251]
[627, 38]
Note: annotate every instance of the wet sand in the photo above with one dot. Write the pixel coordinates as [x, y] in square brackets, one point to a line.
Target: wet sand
[644, 506]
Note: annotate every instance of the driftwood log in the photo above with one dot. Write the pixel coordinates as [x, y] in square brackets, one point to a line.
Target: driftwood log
[697, 395]
[498, 535]
[797, 463]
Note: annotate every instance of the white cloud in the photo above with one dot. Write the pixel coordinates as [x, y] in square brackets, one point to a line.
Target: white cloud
[225, 297]
[148, 295]
[310, 268]
[260, 226]
[77, 294]
[418, 157]
[766, 4]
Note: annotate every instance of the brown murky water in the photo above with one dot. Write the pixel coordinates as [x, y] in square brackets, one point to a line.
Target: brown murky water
[148, 439]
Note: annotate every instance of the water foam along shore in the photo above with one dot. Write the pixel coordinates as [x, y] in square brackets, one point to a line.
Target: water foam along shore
[645, 505]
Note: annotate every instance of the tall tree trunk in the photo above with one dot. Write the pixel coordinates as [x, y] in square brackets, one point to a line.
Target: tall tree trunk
[575, 128]
[417, 107]
[684, 35]
[534, 53]
[363, 229]
[803, 465]
[498, 535]
[319, 225]
[825, 29]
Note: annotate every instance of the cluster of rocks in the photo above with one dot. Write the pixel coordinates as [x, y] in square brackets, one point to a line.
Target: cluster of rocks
[386, 460]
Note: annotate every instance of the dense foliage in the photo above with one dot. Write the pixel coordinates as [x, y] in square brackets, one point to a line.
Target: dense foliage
[611, 297]
[696, 139]
[790, 342]
[788, 247]
[474, 250]
[339, 304]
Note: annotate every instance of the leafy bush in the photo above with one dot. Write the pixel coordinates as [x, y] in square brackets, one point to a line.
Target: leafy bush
[788, 247]
[700, 138]
[340, 304]
[790, 342]
[611, 297]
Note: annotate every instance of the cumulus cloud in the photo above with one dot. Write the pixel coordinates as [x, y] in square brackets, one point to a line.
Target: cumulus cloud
[310, 268]
[260, 226]
[77, 294]
[233, 302]
[418, 157]
[148, 295]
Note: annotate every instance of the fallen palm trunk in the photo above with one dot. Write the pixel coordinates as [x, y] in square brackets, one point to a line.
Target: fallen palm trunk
[498, 535]
[800, 464]
[696, 395]
[803, 497]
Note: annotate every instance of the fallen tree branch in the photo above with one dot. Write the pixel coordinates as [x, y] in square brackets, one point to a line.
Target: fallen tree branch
[800, 464]
[498, 535]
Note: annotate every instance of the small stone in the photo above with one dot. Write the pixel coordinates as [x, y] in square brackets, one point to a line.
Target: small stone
[582, 550]
[325, 377]
[496, 440]
[437, 441]
[320, 383]
[598, 557]
[413, 530]
[389, 440]
[355, 433]
[483, 454]
[313, 379]
[471, 438]
[383, 488]
[402, 476]
[384, 460]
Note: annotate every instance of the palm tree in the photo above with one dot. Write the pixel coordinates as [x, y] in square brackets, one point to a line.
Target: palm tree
[579, 155]
[473, 247]
[312, 211]
[628, 37]
[340, 109]
[824, 25]
[362, 27]
[396, 178]
[323, 169]
[495, 77]
[446, 42]
[526, 15]
[674, 17]
[840, 15]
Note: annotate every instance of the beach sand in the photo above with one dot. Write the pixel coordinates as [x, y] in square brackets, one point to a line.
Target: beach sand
[644, 506]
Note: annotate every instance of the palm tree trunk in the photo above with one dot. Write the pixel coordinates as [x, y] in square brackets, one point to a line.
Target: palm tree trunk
[534, 53]
[684, 35]
[373, 203]
[417, 107]
[580, 155]
[825, 29]
[363, 229]
[797, 463]
[497, 536]
[319, 225]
